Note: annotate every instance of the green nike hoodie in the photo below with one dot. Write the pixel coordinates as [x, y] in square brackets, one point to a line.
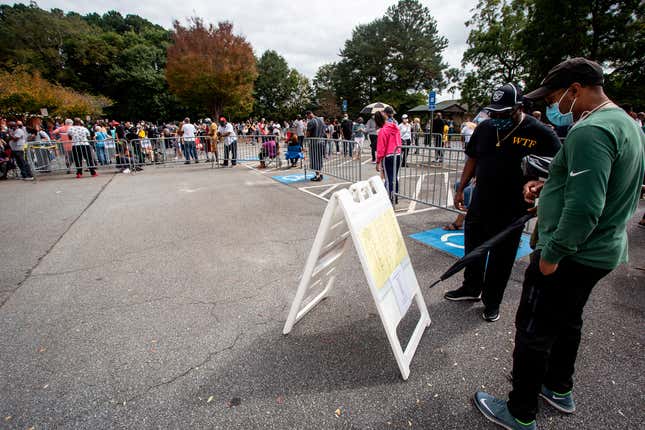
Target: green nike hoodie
[592, 191]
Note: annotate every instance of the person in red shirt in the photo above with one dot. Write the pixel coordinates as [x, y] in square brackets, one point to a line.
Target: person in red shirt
[388, 153]
[66, 141]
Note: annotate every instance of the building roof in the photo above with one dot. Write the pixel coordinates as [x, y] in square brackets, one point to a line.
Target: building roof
[451, 106]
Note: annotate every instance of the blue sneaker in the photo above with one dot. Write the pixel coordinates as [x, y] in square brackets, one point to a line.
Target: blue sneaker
[495, 410]
[562, 402]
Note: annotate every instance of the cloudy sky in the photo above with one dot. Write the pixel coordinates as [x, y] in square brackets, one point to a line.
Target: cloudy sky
[307, 34]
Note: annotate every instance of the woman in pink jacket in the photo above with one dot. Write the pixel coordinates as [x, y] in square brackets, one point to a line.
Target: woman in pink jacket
[388, 153]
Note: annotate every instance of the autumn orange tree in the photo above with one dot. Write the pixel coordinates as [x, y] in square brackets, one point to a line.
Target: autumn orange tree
[23, 92]
[210, 69]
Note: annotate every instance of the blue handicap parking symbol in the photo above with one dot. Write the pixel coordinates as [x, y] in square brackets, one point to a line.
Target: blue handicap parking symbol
[452, 242]
[289, 179]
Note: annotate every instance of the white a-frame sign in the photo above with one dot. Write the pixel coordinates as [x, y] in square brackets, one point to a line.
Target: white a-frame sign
[365, 214]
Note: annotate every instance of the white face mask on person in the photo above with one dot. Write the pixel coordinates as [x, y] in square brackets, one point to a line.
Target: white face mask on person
[558, 118]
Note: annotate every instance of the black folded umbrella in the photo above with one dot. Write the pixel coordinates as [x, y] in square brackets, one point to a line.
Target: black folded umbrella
[482, 249]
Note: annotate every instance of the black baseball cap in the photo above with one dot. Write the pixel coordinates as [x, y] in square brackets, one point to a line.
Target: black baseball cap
[581, 70]
[505, 98]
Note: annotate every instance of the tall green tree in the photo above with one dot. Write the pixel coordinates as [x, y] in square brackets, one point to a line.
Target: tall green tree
[496, 53]
[394, 59]
[326, 85]
[610, 32]
[300, 97]
[272, 86]
[119, 57]
[280, 92]
[520, 40]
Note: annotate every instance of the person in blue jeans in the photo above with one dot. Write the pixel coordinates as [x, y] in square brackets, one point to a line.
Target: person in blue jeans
[101, 136]
[459, 222]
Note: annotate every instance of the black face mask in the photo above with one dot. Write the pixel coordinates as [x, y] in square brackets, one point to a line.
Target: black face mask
[502, 123]
[222, 123]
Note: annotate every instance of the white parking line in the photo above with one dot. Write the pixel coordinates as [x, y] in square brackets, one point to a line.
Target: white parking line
[331, 188]
[304, 190]
[432, 208]
[413, 203]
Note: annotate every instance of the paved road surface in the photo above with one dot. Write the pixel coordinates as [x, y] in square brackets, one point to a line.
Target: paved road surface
[158, 300]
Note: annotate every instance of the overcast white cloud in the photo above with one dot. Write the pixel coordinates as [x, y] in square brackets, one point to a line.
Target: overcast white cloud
[308, 35]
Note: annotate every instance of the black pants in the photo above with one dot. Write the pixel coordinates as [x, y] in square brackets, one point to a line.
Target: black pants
[23, 165]
[138, 152]
[317, 148]
[373, 139]
[83, 151]
[348, 147]
[438, 142]
[231, 150]
[404, 143]
[392, 165]
[489, 276]
[547, 336]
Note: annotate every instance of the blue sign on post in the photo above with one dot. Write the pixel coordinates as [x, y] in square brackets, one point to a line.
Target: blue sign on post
[344, 105]
[432, 99]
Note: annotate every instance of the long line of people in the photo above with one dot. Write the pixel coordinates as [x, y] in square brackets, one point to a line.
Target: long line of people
[67, 144]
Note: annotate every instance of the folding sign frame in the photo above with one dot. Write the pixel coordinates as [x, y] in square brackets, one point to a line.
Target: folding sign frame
[364, 213]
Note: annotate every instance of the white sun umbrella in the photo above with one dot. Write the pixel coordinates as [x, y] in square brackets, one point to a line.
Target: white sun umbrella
[374, 107]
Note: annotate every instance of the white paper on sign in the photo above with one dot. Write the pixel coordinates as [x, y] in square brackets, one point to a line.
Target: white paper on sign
[403, 291]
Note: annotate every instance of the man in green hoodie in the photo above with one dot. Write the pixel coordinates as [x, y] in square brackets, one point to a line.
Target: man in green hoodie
[592, 191]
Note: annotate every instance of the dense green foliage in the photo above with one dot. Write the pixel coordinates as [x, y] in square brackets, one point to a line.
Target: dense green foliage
[279, 90]
[520, 40]
[394, 59]
[122, 58]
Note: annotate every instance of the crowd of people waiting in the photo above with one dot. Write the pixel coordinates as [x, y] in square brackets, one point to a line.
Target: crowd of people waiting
[36, 142]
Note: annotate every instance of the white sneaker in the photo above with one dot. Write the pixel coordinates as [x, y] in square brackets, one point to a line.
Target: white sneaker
[126, 171]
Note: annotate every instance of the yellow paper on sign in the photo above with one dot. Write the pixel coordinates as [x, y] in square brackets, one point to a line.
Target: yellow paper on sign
[383, 245]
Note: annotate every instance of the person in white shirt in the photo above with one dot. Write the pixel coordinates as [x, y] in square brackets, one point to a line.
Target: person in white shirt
[18, 143]
[300, 130]
[405, 128]
[227, 133]
[188, 132]
[467, 129]
[81, 148]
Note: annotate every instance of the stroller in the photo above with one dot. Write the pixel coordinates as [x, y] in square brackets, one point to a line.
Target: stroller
[7, 163]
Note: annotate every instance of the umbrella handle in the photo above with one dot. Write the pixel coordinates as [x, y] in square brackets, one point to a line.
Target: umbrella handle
[434, 283]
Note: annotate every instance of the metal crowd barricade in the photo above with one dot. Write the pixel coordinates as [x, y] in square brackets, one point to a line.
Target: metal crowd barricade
[61, 156]
[427, 175]
[45, 157]
[334, 157]
[56, 156]
[171, 150]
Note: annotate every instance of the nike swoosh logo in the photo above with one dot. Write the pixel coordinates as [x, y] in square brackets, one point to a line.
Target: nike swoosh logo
[572, 174]
[483, 402]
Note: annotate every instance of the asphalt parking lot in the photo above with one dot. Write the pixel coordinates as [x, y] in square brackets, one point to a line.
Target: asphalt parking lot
[157, 300]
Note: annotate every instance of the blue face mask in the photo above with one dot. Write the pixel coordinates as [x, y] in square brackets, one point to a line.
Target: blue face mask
[558, 118]
[502, 123]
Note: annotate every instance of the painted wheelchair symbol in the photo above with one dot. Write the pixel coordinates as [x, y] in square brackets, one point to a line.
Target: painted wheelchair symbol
[446, 238]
